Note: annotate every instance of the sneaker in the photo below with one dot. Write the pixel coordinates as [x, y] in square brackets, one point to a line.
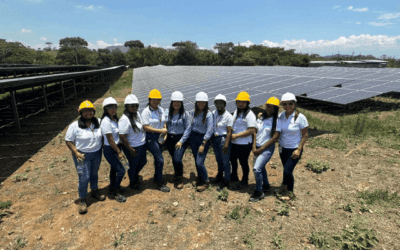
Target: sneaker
[241, 185]
[257, 195]
[283, 189]
[82, 208]
[266, 188]
[222, 185]
[198, 180]
[287, 196]
[218, 178]
[119, 197]
[203, 185]
[161, 186]
[97, 195]
[178, 182]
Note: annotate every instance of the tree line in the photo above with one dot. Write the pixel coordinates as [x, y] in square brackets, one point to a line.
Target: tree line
[75, 51]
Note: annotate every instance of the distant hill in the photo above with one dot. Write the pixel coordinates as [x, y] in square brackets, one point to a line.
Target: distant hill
[122, 48]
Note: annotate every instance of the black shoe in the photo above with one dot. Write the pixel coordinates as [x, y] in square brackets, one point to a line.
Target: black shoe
[218, 178]
[234, 178]
[119, 197]
[257, 195]
[135, 186]
[241, 185]
[161, 186]
[111, 189]
[266, 188]
[97, 195]
[198, 180]
[222, 185]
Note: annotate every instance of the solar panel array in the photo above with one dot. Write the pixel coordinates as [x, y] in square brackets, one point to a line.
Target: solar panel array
[336, 85]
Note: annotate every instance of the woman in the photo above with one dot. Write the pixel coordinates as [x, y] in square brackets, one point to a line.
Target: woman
[153, 123]
[244, 126]
[223, 121]
[294, 134]
[84, 139]
[112, 147]
[199, 131]
[133, 139]
[264, 146]
[177, 122]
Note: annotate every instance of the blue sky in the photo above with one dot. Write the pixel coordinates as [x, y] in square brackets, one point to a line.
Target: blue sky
[324, 27]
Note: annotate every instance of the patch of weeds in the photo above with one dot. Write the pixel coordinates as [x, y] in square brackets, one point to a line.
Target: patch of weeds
[338, 143]
[51, 166]
[273, 218]
[20, 177]
[17, 244]
[317, 166]
[223, 195]
[193, 196]
[5, 204]
[56, 191]
[321, 240]
[349, 207]
[364, 152]
[166, 211]
[64, 159]
[133, 234]
[364, 209]
[277, 241]
[118, 241]
[273, 165]
[150, 214]
[248, 239]
[284, 210]
[235, 215]
[174, 214]
[27, 169]
[246, 212]
[201, 208]
[379, 197]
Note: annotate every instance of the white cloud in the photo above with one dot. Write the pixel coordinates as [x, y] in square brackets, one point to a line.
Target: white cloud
[357, 9]
[379, 24]
[389, 16]
[26, 31]
[350, 8]
[336, 7]
[115, 40]
[358, 22]
[155, 45]
[43, 38]
[247, 44]
[89, 7]
[100, 44]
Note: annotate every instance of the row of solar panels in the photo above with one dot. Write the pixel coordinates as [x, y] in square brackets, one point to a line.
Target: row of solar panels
[329, 84]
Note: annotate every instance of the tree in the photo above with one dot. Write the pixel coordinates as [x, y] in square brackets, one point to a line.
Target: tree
[49, 44]
[134, 44]
[186, 53]
[75, 45]
[226, 52]
[117, 57]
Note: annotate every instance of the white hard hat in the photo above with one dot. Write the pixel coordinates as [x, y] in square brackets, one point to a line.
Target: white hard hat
[109, 101]
[220, 97]
[288, 97]
[131, 99]
[177, 96]
[201, 97]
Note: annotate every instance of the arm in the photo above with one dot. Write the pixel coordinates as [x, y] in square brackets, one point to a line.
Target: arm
[304, 137]
[125, 142]
[270, 142]
[210, 130]
[225, 149]
[71, 146]
[147, 128]
[254, 143]
[246, 133]
[114, 146]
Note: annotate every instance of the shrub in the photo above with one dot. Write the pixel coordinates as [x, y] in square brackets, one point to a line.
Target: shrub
[223, 195]
[317, 166]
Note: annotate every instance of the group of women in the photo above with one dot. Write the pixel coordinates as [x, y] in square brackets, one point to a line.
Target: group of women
[233, 138]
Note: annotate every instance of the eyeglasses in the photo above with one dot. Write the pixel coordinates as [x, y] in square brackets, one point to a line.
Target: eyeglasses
[112, 107]
[285, 104]
[133, 105]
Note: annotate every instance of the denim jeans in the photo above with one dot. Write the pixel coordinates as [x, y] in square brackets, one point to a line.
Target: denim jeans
[90, 172]
[288, 166]
[156, 150]
[137, 163]
[176, 155]
[224, 165]
[260, 173]
[241, 152]
[196, 139]
[117, 171]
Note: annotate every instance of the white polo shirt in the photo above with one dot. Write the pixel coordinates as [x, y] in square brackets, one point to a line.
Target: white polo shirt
[109, 127]
[291, 130]
[153, 118]
[264, 128]
[135, 139]
[86, 140]
[221, 122]
[241, 124]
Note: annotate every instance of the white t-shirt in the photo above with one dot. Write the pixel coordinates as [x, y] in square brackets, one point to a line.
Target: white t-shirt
[135, 139]
[153, 118]
[241, 124]
[221, 122]
[109, 127]
[85, 140]
[291, 130]
[264, 128]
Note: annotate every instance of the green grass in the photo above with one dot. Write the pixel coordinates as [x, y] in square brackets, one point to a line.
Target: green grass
[317, 166]
[380, 197]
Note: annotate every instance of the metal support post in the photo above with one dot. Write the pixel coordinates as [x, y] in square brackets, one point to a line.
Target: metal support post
[62, 93]
[46, 106]
[14, 106]
[76, 95]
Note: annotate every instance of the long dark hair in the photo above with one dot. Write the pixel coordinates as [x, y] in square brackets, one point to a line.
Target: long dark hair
[246, 110]
[132, 118]
[105, 113]
[82, 123]
[171, 112]
[274, 119]
[205, 110]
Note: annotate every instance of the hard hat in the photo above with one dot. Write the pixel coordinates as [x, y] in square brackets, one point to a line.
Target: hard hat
[177, 96]
[273, 100]
[201, 97]
[131, 99]
[86, 105]
[109, 101]
[155, 94]
[288, 97]
[220, 97]
[243, 96]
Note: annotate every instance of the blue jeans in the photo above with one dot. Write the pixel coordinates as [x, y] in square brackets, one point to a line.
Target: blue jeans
[288, 166]
[260, 161]
[196, 139]
[137, 163]
[155, 149]
[224, 165]
[90, 172]
[176, 155]
[117, 171]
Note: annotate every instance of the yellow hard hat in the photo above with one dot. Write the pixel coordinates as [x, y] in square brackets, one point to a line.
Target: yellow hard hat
[155, 94]
[86, 105]
[243, 96]
[273, 100]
